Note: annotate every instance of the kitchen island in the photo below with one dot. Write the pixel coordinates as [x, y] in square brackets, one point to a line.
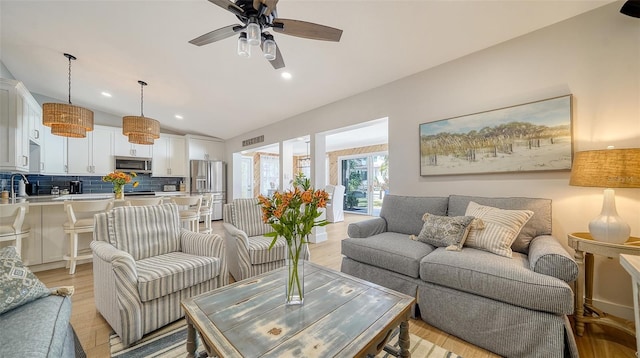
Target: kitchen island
[47, 244]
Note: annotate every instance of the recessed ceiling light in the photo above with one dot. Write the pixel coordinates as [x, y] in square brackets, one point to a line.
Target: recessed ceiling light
[286, 75]
[179, 116]
[106, 94]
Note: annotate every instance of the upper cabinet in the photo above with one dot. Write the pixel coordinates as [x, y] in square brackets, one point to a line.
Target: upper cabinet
[169, 156]
[205, 149]
[17, 108]
[53, 151]
[93, 154]
[123, 148]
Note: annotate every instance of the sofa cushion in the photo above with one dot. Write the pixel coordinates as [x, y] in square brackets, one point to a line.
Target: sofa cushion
[539, 224]
[259, 250]
[37, 329]
[504, 279]
[18, 285]
[499, 230]
[404, 213]
[445, 231]
[145, 231]
[164, 274]
[247, 216]
[389, 250]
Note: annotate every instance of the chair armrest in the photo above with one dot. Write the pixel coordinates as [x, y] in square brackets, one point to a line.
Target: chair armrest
[210, 245]
[547, 256]
[367, 228]
[109, 254]
[235, 232]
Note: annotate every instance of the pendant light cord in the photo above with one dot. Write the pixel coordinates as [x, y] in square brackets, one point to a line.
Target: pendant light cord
[70, 80]
[141, 100]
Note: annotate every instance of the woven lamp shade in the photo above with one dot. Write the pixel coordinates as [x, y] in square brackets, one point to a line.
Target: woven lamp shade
[67, 120]
[140, 130]
[607, 168]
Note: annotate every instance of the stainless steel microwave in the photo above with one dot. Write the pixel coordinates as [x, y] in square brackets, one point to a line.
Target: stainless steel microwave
[133, 164]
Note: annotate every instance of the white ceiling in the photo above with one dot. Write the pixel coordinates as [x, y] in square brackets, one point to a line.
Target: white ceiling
[219, 94]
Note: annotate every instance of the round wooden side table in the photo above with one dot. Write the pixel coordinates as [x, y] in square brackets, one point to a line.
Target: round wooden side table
[585, 247]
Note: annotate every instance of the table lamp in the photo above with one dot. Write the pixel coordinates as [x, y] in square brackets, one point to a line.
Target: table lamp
[608, 168]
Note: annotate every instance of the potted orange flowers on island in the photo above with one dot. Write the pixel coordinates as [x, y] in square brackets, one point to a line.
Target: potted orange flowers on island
[119, 180]
[292, 215]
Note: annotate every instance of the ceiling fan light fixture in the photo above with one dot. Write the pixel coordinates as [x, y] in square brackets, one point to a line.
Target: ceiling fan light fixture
[67, 120]
[244, 49]
[269, 48]
[254, 33]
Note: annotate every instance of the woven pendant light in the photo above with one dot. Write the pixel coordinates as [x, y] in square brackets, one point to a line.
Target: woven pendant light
[67, 120]
[140, 129]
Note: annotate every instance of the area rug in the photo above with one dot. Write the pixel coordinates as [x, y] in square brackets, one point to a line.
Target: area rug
[169, 342]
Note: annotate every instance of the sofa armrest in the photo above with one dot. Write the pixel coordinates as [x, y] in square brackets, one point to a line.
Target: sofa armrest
[210, 245]
[367, 228]
[237, 233]
[547, 256]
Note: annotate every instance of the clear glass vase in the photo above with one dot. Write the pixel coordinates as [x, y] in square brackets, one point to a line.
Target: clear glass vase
[295, 282]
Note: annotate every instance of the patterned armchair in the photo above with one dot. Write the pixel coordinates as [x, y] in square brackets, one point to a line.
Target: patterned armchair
[248, 251]
[144, 265]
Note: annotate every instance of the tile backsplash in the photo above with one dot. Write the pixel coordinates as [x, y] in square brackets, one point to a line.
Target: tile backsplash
[90, 184]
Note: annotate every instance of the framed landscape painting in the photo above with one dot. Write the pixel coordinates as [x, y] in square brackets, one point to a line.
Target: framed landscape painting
[533, 136]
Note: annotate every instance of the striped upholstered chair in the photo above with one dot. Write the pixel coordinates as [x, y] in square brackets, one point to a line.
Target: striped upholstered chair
[248, 251]
[144, 264]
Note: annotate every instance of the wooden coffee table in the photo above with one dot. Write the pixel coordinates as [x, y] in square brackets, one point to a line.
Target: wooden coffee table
[342, 316]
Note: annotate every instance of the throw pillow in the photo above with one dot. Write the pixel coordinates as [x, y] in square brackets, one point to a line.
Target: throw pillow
[445, 231]
[501, 227]
[18, 285]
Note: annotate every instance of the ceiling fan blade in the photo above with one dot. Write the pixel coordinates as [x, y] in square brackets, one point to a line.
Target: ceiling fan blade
[229, 6]
[307, 30]
[216, 35]
[278, 62]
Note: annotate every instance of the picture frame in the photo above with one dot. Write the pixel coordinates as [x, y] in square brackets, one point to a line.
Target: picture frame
[529, 137]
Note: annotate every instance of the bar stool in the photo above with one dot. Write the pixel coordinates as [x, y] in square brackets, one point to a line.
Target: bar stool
[12, 224]
[80, 220]
[206, 212]
[144, 201]
[189, 209]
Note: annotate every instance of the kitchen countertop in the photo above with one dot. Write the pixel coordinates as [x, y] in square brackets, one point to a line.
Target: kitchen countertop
[59, 199]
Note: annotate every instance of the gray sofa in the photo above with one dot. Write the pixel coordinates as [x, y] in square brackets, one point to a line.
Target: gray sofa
[515, 307]
[39, 328]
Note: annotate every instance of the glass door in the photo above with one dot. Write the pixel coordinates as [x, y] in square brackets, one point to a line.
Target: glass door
[365, 179]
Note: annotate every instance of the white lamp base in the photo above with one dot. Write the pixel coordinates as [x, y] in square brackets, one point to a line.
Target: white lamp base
[609, 226]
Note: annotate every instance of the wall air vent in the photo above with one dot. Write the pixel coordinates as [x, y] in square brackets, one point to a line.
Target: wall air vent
[253, 140]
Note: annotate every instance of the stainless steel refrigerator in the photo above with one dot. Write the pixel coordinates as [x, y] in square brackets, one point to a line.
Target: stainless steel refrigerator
[210, 176]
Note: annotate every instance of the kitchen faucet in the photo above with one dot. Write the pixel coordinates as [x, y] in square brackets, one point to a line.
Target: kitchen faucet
[13, 193]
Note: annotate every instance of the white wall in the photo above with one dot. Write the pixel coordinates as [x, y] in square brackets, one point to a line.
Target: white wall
[595, 57]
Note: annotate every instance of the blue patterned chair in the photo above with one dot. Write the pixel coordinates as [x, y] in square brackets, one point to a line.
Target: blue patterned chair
[248, 251]
[144, 265]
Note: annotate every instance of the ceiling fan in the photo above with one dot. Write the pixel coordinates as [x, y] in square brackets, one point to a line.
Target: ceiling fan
[257, 16]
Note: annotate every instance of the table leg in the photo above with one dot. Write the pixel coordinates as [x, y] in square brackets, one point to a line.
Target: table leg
[403, 340]
[191, 338]
[588, 278]
[578, 298]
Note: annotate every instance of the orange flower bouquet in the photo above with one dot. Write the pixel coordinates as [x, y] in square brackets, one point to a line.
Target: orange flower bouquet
[292, 215]
[119, 180]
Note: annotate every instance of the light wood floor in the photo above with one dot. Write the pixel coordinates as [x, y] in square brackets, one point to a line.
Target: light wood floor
[93, 331]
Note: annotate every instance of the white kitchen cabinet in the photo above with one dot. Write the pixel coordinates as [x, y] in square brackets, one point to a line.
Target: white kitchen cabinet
[32, 246]
[169, 156]
[205, 149]
[123, 148]
[54, 241]
[34, 115]
[16, 103]
[53, 152]
[92, 154]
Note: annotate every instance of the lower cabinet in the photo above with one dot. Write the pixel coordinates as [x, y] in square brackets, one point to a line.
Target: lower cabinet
[47, 242]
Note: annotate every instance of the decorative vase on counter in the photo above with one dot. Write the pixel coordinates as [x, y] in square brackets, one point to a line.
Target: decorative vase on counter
[119, 193]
